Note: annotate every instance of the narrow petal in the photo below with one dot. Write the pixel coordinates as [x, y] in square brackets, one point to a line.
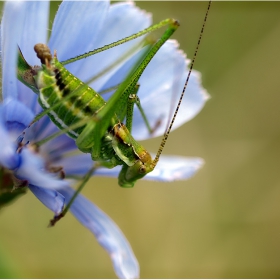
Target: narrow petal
[168, 169]
[35, 30]
[8, 156]
[76, 164]
[160, 87]
[19, 29]
[11, 31]
[123, 19]
[124, 70]
[50, 198]
[79, 165]
[172, 168]
[33, 170]
[76, 22]
[107, 234]
[43, 128]
[59, 146]
[16, 116]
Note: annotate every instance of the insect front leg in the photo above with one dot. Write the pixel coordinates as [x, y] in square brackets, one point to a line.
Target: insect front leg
[85, 143]
[134, 99]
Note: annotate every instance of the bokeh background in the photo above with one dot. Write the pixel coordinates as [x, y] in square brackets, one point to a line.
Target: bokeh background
[222, 223]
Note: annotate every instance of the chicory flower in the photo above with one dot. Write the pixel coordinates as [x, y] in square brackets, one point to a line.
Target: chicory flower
[94, 23]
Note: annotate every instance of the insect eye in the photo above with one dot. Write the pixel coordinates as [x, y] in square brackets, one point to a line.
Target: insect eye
[142, 169]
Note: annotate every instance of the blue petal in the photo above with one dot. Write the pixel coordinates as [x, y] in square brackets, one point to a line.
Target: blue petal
[123, 19]
[35, 30]
[43, 128]
[168, 169]
[76, 164]
[172, 168]
[59, 146]
[33, 170]
[76, 22]
[80, 164]
[16, 115]
[50, 198]
[54, 148]
[123, 72]
[107, 234]
[8, 156]
[160, 87]
[11, 30]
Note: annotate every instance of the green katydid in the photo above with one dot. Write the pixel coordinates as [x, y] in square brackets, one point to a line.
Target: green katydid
[83, 114]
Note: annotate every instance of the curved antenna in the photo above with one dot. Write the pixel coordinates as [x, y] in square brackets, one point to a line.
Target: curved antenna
[166, 134]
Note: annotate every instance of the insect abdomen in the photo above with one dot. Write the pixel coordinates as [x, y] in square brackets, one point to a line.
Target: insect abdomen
[77, 100]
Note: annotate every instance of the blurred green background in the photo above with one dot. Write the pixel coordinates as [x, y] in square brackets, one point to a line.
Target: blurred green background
[222, 223]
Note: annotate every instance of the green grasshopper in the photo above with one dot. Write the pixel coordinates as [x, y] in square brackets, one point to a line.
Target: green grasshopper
[83, 114]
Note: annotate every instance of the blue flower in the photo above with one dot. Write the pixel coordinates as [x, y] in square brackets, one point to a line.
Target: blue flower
[94, 23]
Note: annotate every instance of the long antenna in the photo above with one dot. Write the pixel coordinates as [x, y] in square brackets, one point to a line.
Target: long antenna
[166, 134]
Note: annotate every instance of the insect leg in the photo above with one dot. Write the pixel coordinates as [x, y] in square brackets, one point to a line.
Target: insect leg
[152, 28]
[134, 99]
[79, 189]
[120, 97]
